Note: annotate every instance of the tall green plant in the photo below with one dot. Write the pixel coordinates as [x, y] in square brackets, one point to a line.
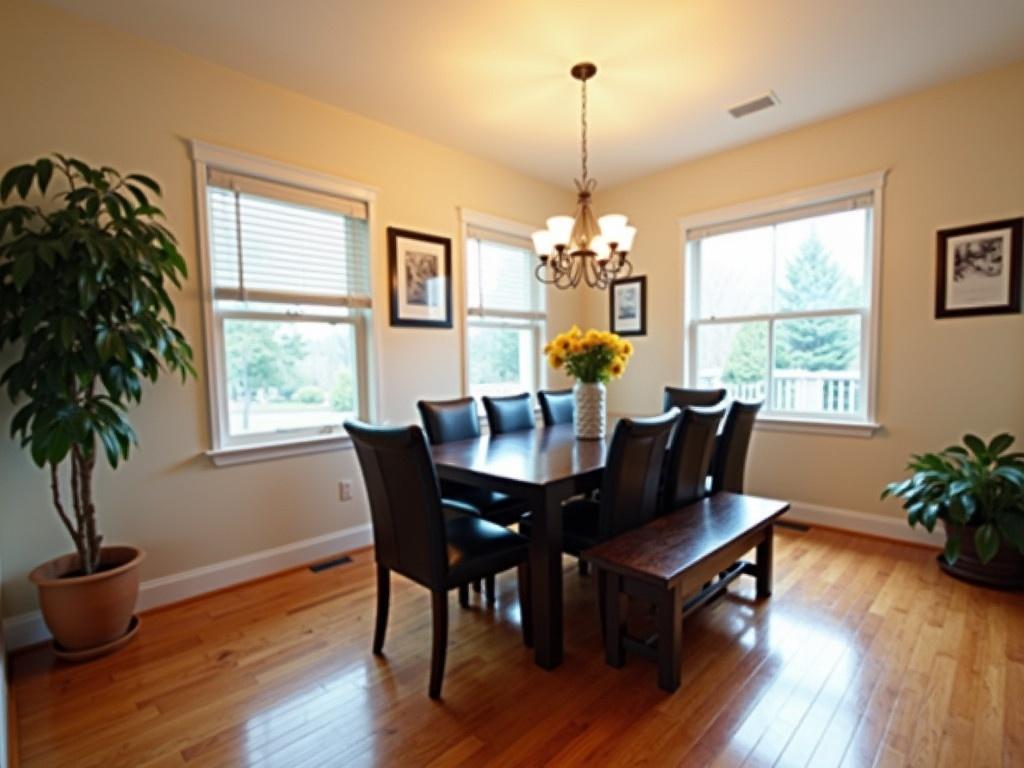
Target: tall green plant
[977, 484]
[84, 277]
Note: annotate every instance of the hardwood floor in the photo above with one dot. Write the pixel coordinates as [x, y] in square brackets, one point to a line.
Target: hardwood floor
[865, 655]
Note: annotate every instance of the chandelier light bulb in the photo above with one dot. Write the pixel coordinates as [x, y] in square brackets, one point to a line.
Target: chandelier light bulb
[612, 226]
[560, 228]
[543, 242]
[625, 241]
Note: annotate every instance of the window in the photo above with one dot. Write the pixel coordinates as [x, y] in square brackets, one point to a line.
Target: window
[781, 304]
[505, 313]
[288, 288]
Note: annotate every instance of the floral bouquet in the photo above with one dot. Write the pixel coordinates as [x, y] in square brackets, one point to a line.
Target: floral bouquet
[591, 357]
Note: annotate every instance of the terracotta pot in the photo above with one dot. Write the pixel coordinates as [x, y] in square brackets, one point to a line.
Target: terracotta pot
[1004, 571]
[86, 612]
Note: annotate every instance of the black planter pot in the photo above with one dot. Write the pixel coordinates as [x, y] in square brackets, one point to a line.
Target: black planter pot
[1004, 571]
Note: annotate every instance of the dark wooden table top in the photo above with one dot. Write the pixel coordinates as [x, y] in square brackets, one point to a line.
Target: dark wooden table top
[673, 543]
[533, 456]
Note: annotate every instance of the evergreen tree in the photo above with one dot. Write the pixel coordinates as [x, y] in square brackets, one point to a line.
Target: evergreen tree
[815, 281]
[748, 355]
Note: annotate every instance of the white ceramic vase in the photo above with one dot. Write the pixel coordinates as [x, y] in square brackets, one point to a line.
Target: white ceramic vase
[589, 417]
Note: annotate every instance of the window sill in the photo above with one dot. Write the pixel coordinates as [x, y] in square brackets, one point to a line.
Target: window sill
[864, 429]
[247, 454]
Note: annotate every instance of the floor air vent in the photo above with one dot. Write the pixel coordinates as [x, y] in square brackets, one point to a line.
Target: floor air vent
[326, 564]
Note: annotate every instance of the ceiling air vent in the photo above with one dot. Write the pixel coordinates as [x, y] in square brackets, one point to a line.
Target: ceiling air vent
[755, 105]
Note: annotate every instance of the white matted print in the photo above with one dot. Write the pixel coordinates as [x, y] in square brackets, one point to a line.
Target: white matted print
[628, 306]
[421, 291]
[979, 269]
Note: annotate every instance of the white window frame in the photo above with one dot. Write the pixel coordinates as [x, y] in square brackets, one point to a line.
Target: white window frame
[873, 184]
[470, 219]
[299, 441]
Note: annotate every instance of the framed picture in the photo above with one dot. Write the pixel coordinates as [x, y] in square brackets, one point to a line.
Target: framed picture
[978, 269]
[420, 268]
[628, 306]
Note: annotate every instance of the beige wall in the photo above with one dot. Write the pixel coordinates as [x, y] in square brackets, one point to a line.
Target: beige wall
[83, 89]
[956, 155]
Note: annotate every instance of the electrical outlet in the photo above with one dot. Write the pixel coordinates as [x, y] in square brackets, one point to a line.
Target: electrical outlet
[345, 490]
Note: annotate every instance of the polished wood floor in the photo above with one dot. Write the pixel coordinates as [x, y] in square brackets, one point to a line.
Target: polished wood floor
[865, 655]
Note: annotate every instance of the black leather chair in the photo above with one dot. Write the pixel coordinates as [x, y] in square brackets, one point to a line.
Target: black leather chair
[557, 406]
[450, 420]
[682, 397]
[437, 543]
[629, 487]
[690, 452]
[447, 421]
[730, 461]
[513, 413]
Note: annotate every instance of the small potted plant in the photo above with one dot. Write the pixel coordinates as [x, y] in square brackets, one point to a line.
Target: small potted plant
[977, 491]
[85, 310]
[592, 358]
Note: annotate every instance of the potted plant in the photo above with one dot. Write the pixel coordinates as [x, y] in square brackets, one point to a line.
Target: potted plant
[977, 491]
[85, 310]
[592, 358]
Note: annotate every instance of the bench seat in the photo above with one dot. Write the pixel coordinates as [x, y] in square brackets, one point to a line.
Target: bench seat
[670, 562]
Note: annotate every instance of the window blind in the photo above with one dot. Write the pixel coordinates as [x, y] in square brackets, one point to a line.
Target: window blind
[499, 276]
[849, 203]
[278, 243]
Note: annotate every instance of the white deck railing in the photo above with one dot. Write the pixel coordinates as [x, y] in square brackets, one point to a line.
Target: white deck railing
[832, 392]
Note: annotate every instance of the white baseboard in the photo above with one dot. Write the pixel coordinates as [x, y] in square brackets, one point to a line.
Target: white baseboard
[860, 522]
[29, 628]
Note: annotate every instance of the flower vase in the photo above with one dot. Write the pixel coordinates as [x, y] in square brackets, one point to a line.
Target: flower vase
[589, 416]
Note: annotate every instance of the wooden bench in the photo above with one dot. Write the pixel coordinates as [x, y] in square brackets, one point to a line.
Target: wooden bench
[681, 561]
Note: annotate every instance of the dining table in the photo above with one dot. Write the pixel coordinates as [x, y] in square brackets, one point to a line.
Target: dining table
[543, 466]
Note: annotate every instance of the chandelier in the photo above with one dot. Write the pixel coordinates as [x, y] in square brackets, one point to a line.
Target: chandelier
[582, 247]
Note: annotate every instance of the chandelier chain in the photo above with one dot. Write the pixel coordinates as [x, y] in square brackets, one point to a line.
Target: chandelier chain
[583, 132]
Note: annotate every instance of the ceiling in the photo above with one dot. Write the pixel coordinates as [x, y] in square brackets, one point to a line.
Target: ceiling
[490, 77]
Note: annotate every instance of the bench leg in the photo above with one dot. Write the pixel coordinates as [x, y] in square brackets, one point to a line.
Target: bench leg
[670, 640]
[610, 590]
[764, 564]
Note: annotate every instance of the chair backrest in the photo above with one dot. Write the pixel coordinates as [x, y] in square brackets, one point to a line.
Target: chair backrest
[449, 420]
[729, 464]
[513, 413]
[405, 501]
[681, 397]
[632, 473]
[689, 457]
[557, 406]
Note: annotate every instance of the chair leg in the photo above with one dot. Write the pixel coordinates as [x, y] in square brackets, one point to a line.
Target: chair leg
[614, 627]
[439, 606]
[525, 603]
[464, 596]
[383, 602]
[476, 586]
[584, 567]
[489, 588]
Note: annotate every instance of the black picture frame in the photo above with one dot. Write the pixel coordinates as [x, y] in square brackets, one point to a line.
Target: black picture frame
[400, 314]
[1004, 240]
[636, 326]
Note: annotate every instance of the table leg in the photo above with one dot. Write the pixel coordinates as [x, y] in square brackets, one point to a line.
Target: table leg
[670, 640]
[546, 577]
[764, 563]
[611, 612]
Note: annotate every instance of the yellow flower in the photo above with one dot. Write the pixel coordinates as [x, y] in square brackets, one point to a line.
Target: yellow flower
[576, 346]
[575, 331]
[547, 348]
[593, 336]
[617, 368]
[625, 349]
[555, 360]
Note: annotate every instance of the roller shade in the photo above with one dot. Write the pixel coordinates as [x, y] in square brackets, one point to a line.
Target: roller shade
[848, 203]
[499, 276]
[278, 243]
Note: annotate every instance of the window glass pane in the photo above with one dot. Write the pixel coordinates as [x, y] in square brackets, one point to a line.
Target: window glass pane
[502, 359]
[820, 262]
[500, 277]
[734, 356]
[284, 375]
[736, 273]
[817, 366]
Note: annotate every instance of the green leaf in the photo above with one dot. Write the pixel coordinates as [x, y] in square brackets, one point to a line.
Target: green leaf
[952, 551]
[999, 444]
[977, 446]
[25, 179]
[144, 181]
[24, 266]
[44, 171]
[986, 542]
[1011, 528]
